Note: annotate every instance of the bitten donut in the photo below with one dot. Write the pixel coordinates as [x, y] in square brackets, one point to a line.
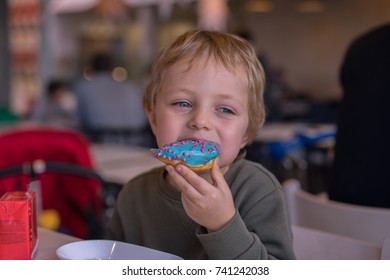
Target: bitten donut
[198, 155]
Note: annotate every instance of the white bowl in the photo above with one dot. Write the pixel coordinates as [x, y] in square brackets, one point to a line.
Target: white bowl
[110, 250]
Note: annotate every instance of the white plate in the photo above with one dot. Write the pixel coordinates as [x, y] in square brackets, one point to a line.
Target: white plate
[110, 250]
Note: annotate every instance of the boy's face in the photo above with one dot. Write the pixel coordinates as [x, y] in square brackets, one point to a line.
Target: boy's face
[206, 102]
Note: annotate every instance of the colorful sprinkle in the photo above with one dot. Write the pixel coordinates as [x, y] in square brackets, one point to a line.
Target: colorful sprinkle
[192, 152]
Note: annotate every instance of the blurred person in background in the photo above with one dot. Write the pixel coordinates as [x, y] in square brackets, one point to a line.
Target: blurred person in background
[362, 151]
[57, 106]
[276, 87]
[110, 110]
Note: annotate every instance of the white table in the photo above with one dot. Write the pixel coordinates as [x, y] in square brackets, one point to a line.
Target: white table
[49, 242]
[278, 132]
[108, 155]
[286, 131]
[121, 163]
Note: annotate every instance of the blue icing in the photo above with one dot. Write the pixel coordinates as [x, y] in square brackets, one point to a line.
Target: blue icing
[191, 152]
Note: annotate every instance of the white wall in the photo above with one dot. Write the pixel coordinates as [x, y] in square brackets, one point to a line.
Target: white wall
[310, 47]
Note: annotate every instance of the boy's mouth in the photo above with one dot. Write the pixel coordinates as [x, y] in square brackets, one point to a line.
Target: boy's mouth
[195, 139]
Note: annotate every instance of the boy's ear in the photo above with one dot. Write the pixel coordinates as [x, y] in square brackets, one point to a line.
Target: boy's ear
[245, 140]
[152, 120]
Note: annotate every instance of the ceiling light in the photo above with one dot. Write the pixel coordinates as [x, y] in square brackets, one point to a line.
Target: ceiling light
[310, 6]
[259, 6]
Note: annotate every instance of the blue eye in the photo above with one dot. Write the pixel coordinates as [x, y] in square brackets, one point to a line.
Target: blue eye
[226, 110]
[182, 104]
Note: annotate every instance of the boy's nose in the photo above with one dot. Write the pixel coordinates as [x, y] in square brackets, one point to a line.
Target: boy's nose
[200, 119]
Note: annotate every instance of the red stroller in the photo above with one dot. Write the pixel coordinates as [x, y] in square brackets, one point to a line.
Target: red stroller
[59, 159]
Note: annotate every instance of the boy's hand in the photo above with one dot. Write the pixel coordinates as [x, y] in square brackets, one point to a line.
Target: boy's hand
[210, 205]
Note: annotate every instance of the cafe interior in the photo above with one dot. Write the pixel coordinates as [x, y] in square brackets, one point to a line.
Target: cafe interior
[302, 45]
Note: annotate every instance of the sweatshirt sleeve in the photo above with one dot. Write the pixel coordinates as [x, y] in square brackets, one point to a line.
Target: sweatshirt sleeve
[263, 233]
[114, 228]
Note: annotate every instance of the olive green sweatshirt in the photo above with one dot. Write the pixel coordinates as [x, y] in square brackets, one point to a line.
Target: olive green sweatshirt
[150, 213]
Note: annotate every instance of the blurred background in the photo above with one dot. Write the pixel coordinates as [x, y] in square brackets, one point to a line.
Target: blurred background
[46, 49]
[302, 41]
[301, 44]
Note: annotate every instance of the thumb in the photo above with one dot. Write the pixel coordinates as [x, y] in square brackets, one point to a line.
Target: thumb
[217, 176]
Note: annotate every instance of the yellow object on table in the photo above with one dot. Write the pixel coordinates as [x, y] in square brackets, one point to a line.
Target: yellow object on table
[50, 219]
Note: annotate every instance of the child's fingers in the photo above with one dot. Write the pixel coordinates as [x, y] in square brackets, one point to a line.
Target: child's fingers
[181, 182]
[193, 179]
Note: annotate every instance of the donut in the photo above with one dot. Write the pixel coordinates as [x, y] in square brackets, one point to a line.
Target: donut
[198, 155]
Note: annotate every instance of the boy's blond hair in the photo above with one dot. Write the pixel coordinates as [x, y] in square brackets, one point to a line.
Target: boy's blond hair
[233, 52]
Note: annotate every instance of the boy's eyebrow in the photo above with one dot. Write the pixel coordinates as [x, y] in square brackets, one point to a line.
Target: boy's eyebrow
[178, 89]
[229, 96]
[219, 95]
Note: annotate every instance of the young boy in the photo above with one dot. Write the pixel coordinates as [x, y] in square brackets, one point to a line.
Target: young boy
[206, 85]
